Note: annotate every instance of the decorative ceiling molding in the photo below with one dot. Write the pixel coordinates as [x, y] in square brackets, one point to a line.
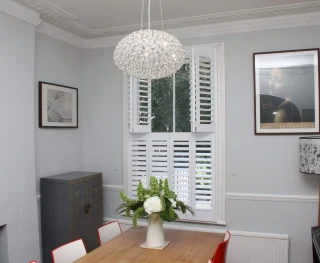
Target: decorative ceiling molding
[63, 19]
[13, 9]
[65, 29]
[215, 18]
[271, 23]
[60, 34]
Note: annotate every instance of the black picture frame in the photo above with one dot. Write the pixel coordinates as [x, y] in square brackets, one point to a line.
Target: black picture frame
[286, 92]
[58, 106]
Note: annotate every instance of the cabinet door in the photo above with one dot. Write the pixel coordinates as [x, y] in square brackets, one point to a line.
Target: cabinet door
[95, 216]
[88, 214]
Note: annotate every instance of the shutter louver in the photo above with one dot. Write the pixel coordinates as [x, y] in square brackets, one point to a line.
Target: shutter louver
[159, 159]
[139, 165]
[203, 178]
[181, 170]
[141, 105]
[203, 96]
[129, 102]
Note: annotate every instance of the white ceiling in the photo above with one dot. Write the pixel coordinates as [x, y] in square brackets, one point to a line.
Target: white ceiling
[94, 18]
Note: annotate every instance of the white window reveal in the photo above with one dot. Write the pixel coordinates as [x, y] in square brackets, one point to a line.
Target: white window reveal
[176, 131]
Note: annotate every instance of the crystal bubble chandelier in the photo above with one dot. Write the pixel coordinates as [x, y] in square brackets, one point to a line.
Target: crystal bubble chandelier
[149, 54]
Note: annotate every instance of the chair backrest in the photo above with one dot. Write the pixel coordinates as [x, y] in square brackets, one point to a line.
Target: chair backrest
[109, 231]
[221, 251]
[33, 261]
[69, 252]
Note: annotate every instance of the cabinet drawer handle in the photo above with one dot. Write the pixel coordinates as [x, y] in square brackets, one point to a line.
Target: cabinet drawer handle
[87, 207]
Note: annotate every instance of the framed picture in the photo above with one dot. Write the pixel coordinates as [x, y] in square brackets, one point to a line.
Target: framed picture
[286, 92]
[58, 106]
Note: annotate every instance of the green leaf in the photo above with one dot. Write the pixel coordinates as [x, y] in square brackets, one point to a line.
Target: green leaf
[137, 214]
[163, 203]
[160, 186]
[154, 187]
[121, 207]
[128, 211]
[171, 212]
[165, 216]
[123, 197]
[166, 188]
[140, 191]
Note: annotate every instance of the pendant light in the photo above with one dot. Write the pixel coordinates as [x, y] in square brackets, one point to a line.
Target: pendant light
[149, 54]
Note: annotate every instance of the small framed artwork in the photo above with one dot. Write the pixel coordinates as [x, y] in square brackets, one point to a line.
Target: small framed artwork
[58, 106]
[286, 92]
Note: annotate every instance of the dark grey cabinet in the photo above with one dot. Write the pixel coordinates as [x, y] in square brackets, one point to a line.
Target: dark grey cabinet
[71, 208]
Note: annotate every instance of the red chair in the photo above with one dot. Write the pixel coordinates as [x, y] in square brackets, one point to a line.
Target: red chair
[69, 252]
[33, 261]
[221, 251]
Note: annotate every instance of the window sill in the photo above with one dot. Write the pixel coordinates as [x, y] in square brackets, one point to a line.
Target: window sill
[183, 224]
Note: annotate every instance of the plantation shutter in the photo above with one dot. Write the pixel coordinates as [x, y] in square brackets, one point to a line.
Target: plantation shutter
[192, 176]
[129, 96]
[204, 180]
[203, 174]
[139, 105]
[138, 164]
[160, 158]
[203, 80]
[181, 175]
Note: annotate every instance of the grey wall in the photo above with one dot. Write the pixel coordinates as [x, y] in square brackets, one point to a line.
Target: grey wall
[254, 164]
[103, 116]
[17, 152]
[58, 150]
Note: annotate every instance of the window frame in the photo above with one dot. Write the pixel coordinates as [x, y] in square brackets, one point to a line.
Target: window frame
[220, 168]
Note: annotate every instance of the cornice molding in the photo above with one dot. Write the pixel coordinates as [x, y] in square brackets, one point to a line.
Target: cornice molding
[67, 21]
[60, 34]
[262, 24]
[61, 25]
[18, 11]
[196, 21]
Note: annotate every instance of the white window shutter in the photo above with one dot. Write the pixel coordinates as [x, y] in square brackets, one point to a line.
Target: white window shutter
[181, 175]
[204, 185]
[203, 174]
[138, 156]
[140, 106]
[160, 158]
[203, 89]
[129, 93]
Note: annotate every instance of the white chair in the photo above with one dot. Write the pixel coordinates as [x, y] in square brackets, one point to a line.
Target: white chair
[109, 231]
[69, 252]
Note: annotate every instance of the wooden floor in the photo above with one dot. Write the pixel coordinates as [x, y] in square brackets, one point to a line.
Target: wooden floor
[185, 246]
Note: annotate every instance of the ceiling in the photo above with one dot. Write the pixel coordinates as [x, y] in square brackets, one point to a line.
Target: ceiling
[97, 18]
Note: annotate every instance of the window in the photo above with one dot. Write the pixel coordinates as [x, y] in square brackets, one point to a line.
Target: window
[176, 131]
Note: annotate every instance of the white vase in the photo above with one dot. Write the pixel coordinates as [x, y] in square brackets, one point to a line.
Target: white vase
[155, 235]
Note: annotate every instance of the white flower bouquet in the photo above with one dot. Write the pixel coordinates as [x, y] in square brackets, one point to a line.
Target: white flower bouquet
[154, 202]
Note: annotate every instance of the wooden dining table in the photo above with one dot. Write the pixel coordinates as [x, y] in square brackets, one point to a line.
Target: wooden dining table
[184, 246]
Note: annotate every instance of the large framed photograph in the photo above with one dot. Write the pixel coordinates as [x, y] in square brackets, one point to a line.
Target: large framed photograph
[286, 92]
[58, 106]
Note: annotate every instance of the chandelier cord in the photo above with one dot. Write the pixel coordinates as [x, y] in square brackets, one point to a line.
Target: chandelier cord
[142, 13]
[161, 14]
[149, 14]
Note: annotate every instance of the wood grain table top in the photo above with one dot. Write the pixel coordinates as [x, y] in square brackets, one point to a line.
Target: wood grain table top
[185, 246]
